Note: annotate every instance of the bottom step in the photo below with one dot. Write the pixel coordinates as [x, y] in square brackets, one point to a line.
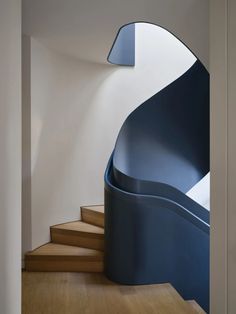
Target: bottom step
[64, 258]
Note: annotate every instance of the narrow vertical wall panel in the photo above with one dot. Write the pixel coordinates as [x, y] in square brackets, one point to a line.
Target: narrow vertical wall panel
[231, 156]
[218, 72]
[223, 156]
[26, 146]
[10, 160]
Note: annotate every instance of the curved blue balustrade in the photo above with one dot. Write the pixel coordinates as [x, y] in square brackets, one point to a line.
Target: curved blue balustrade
[151, 239]
[166, 139]
[123, 49]
[155, 233]
[160, 189]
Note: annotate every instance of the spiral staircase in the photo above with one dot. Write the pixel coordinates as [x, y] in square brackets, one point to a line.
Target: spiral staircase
[154, 232]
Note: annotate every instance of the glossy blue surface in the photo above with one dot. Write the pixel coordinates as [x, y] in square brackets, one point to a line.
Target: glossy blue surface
[154, 233]
[123, 49]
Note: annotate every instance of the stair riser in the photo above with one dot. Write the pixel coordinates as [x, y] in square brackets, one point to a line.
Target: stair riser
[92, 217]
[64, 237]
[64, 266]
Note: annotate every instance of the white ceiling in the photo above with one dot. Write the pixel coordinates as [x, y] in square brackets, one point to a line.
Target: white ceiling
[86, 29]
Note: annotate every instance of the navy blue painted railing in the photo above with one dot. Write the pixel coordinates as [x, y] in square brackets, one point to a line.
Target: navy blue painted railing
[154, 233]
[123, 49]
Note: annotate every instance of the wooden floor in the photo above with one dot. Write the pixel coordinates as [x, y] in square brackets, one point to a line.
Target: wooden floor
[85, 293]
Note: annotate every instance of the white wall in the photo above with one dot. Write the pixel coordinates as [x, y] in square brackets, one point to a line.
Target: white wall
[10, 165]
[200, 192]
[77, 109]
[223, 156]
[86, 29]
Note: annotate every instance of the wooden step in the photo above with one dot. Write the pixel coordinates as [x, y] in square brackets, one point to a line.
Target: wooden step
[78, 233]
[85, 293]
[170, 300]
[93, 215]
[57, 257]
[196, 307]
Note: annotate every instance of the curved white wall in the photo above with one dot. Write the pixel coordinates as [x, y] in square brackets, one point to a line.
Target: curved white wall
[77, 109]
[85, 29]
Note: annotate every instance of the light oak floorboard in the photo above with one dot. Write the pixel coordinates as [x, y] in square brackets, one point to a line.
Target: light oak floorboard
[80, 293]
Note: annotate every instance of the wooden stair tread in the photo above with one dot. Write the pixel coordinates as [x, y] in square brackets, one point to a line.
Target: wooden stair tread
[53, 257]
[78, 233]
[94, 293]
[196, 307]
[96, 208]
[173, 300]
[93, 215]
[53, 249]
[80, 226]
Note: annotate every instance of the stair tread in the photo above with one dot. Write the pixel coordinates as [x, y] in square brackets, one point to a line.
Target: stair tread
[53, 249]
[93, 215]
[63, 258]
[195, 306]
[174, 300]
[96, 208]
[79, 226]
